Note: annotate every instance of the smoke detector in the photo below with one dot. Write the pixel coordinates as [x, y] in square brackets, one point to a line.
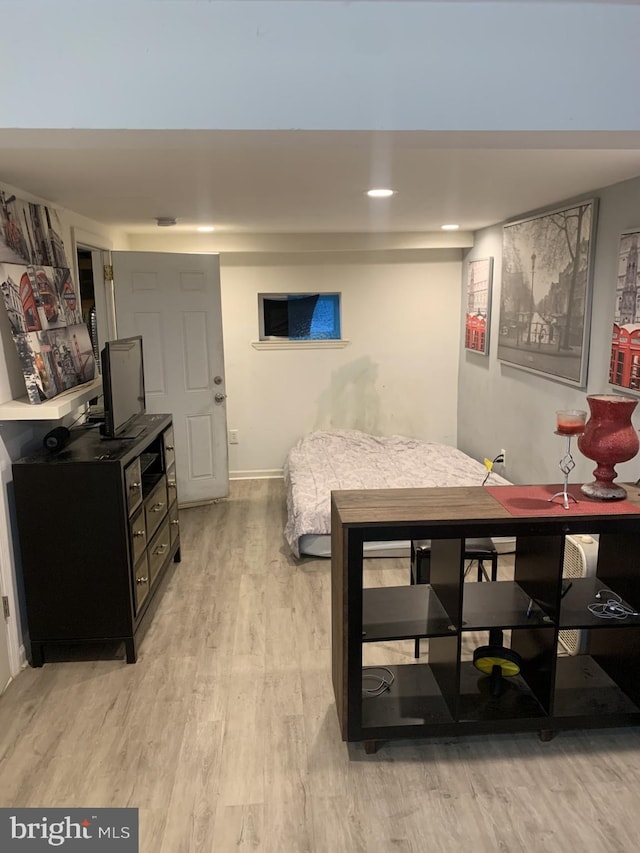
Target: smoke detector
[165, 221]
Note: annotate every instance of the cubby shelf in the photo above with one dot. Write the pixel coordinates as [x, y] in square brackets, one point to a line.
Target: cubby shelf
[444, 693]
[574, 612]
[402, 613]
[416, 700]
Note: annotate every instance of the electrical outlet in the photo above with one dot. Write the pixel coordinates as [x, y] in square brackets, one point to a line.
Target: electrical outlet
[233, 436]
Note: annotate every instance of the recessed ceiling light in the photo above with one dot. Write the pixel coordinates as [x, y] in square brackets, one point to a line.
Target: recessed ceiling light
[205, 229]
[449, 227]
[381, 193]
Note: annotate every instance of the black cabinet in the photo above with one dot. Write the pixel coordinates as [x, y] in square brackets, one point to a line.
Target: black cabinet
[446, 693]
[98, 529]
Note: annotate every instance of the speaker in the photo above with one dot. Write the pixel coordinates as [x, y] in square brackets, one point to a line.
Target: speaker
[56, 439]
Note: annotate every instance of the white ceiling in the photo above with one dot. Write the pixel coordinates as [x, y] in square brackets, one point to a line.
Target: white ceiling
[308, 181]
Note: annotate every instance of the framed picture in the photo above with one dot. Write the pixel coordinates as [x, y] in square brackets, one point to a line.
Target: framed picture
[624, 366]
[478, 313]
[30, 233]
[53, 343]
[545, 303]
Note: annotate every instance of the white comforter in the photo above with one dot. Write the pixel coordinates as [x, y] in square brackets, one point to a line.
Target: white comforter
[349, 459]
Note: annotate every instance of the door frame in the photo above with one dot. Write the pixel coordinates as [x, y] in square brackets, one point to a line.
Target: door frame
[100, 248]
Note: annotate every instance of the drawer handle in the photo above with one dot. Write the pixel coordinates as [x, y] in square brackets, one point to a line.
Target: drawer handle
[157, 507]
[160, 550]
[135, 486]
[142, 580]
[175, 521]
[138, 533]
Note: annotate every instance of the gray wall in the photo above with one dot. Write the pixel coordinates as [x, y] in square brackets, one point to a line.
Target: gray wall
[502, 407]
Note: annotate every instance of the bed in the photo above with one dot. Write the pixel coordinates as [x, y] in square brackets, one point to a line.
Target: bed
[349, 459]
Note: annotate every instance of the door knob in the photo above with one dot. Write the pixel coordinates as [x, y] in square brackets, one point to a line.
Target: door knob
[219, 397]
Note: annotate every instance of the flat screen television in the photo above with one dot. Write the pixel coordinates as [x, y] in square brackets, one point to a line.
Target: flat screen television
[123, 387]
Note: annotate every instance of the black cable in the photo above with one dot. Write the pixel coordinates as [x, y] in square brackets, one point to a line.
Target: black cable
[84, 413]
[499, 458]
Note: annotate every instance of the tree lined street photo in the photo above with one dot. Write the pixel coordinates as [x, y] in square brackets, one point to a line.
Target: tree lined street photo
[546, 293]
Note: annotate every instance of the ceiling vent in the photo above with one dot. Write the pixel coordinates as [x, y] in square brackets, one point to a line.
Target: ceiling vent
[165, 221]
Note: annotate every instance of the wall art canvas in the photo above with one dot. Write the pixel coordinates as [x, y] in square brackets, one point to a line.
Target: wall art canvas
[478, 311]
[53, 343]
[545, 303]
[624, 366]
[30, 233]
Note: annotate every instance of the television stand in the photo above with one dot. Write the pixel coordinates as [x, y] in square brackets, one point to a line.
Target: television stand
[133, 432]
[99, 529]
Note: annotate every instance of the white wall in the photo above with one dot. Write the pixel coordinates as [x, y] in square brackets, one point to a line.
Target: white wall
[400, 313]
[502, 407]
[321, 65]
[398, 374]
[18, 438]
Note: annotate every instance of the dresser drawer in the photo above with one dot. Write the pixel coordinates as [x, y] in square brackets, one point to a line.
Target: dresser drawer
[158, 549]
[172, 486]
[141, 581]
[138, 531]
[169, 449]
[155, 507]
[174, 522]
[133, 486]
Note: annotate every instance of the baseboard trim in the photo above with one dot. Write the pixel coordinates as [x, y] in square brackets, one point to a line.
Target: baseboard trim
[264, 474]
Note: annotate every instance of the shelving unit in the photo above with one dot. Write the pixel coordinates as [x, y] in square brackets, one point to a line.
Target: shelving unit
[445, 694]
[50, 410]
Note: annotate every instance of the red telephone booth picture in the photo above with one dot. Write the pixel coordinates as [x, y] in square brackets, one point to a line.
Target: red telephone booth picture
[624, 367]
[29, 308]
[48, 297]
[476, 333]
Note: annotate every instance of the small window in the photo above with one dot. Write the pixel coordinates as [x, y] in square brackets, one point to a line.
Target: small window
[299, 316]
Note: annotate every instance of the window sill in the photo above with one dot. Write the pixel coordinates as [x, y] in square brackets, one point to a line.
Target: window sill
[320, 344]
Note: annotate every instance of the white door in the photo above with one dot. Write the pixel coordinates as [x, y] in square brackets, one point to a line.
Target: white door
[173, 301]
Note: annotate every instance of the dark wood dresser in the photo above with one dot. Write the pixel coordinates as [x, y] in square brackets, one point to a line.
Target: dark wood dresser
[98, 528]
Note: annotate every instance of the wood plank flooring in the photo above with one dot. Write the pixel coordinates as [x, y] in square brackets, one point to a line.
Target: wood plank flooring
[224, 733]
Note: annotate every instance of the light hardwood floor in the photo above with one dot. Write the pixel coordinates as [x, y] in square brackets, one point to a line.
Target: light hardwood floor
[224, 733]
